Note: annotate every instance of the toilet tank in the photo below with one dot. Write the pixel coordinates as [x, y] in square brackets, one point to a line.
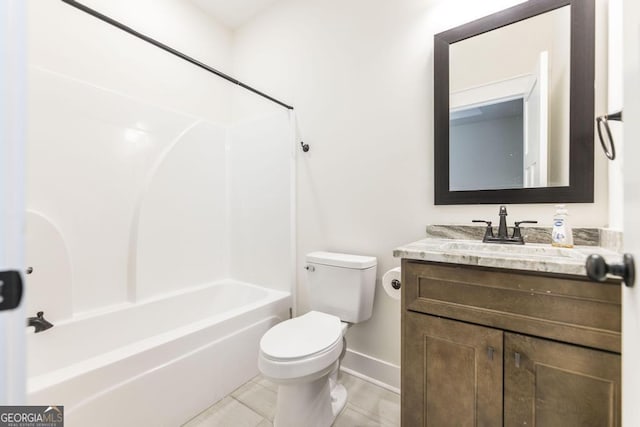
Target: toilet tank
[341, 284]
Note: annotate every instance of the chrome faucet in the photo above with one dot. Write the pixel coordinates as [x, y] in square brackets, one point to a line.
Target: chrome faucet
[39, 322]
[503, 234]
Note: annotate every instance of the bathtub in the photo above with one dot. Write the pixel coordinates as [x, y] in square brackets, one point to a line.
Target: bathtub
[158, 362]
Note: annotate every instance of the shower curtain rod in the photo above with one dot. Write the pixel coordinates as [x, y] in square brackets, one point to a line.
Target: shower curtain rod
[171, 50]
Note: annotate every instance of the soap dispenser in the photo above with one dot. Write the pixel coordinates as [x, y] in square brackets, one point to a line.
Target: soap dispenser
[561, 235]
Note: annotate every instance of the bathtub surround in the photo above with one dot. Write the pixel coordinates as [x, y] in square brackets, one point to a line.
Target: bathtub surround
[45, 242]
[96, 129]
[148, 188]
[146, 172]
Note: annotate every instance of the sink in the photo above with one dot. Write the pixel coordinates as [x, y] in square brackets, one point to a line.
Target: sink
[532, 251]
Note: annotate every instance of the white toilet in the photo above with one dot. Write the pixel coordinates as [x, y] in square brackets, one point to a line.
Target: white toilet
[302, 355]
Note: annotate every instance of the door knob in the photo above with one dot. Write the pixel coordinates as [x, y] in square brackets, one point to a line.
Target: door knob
[597, 269]
[10, 289]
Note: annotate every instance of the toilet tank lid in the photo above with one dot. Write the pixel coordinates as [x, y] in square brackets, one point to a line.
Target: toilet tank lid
[341, 260]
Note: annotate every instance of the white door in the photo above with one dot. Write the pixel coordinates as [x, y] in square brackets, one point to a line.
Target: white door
[12, 142]
[631, 296]
[536, 123]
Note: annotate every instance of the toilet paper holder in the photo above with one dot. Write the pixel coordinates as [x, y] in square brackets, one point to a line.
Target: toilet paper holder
[391, 283]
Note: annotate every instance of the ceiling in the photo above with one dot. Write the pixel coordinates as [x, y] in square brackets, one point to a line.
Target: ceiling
[233, 13]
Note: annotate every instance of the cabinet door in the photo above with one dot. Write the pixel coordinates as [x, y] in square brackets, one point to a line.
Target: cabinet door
[549, 384]
[451, 373]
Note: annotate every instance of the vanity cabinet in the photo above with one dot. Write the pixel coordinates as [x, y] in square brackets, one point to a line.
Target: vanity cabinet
[547, 383]
[492, 347]
[452, 373]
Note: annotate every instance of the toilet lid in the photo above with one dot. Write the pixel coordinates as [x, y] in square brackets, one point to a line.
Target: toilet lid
[301, 336]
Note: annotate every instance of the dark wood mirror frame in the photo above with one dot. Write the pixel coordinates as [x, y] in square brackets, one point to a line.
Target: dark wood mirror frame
[581, 104]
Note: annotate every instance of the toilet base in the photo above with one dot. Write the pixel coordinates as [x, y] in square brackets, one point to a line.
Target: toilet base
[313, 404]
[338, 399]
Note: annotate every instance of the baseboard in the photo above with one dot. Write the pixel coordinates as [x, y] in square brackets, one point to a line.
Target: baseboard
[376, 371]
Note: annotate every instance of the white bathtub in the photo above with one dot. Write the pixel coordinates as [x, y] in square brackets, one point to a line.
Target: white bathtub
[155, 363]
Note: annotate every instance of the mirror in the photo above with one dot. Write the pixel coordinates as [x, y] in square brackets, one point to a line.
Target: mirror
[514, 106]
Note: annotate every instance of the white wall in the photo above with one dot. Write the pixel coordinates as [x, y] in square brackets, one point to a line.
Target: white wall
[360, 75]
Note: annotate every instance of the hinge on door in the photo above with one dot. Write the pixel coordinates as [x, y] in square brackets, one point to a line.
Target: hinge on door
[10, 289]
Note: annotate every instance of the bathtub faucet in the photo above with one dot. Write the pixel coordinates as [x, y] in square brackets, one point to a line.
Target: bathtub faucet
[39, 322]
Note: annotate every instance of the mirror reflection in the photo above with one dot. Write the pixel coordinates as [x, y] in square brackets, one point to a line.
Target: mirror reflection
[509, 106]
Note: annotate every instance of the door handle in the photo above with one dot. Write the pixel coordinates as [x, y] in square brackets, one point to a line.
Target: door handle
[10, 289]
[597, 269]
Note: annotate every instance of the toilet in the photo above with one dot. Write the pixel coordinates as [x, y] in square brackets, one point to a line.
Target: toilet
[302, 355]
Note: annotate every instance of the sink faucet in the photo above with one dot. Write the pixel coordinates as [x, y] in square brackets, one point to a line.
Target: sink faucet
[503, 235]
[39, 322]
[502, 227]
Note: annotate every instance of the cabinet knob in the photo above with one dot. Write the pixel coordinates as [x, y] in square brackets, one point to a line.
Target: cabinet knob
[597, 269]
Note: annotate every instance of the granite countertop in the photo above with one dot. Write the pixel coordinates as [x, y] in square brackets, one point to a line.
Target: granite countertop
[539, 257]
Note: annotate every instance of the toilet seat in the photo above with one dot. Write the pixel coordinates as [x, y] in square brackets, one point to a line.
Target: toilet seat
[302, 346]
[302, 336]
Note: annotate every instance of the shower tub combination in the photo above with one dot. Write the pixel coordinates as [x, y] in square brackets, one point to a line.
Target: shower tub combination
[202, 187]
[158, 362]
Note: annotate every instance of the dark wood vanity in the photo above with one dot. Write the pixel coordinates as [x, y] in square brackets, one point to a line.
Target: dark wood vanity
[495, 337]
[491, 347]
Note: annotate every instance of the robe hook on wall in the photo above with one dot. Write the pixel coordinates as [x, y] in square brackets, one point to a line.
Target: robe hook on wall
[610, 150]
[305, 147]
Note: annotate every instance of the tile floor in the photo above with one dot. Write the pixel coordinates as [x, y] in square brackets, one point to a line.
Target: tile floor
[253, 405]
